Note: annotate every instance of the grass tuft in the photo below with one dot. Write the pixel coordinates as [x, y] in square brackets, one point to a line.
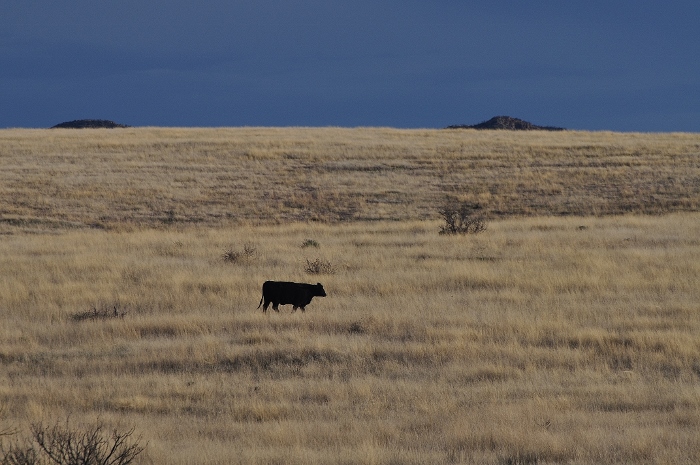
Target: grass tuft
[246, 256]
[319, 266]
[103, 313]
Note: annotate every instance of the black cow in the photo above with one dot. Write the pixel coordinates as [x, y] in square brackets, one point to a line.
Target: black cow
[283, 293]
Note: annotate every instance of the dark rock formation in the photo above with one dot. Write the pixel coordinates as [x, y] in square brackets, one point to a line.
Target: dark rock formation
[90, 123]
[508, 123]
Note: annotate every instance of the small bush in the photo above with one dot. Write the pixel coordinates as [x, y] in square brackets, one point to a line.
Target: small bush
[20, 455]
[357, 328]
[319, 266]
[310, 243]
[5, 430]
[63, 445]
[462, 218]
[241, 257]
[103, 313]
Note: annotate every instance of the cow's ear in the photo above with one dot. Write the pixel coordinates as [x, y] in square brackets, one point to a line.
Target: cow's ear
[319, 284]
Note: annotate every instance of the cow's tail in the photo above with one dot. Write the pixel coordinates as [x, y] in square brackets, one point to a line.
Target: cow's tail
[261, 299]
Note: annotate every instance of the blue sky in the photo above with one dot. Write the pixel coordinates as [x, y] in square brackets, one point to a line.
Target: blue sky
[595, 65]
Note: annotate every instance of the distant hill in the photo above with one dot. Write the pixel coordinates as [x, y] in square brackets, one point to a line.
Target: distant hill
[508, 123]
[89, 124]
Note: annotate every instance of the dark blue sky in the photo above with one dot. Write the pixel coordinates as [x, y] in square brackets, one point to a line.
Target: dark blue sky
[598, 65]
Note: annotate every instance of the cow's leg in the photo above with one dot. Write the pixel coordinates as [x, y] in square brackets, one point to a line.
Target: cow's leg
[294, 308]
[302, 309]
[274, 306]
[265, 305]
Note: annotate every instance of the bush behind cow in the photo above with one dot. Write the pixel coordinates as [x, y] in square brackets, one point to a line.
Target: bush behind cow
[299, 295]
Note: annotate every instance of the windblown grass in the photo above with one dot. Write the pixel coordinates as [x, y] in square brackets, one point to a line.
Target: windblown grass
[160, 177]
[542, 340]
[132, 262]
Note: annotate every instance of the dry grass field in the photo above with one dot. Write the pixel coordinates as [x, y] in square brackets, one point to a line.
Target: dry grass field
[567, 332]
[153, 177]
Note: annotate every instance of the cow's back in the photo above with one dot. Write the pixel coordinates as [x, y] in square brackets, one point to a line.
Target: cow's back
[282, 292]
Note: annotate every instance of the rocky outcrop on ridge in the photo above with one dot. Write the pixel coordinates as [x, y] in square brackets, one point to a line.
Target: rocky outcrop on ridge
[507, 123]
[89, 124]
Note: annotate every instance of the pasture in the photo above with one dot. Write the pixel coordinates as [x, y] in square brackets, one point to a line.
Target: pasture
[567, 332]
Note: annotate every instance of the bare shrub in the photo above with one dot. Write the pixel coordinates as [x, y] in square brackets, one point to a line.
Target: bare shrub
[241, 257]
[105, 312]
[310, 243]
[319, 266]
[20, 454]
[462, 218]
[67, 446]
[16, 454]
[64, 445]
[6, 430]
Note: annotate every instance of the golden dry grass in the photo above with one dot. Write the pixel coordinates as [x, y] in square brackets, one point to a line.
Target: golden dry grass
[544, 339]
[109, 178]
[541, 340]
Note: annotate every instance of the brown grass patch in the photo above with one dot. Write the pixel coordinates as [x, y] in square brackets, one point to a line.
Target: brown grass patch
[56, 179]
[570, 345]
[547, 338]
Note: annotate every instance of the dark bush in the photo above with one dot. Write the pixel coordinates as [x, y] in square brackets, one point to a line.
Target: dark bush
[64, 445]
[241, 257]
[319, 266]
[310, 243]
[20, 455]
[105, 312]
[462, 218]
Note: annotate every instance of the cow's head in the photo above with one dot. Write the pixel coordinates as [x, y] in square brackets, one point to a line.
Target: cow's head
[319, 291]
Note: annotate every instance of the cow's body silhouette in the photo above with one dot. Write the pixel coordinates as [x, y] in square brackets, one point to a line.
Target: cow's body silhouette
[299, 295]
